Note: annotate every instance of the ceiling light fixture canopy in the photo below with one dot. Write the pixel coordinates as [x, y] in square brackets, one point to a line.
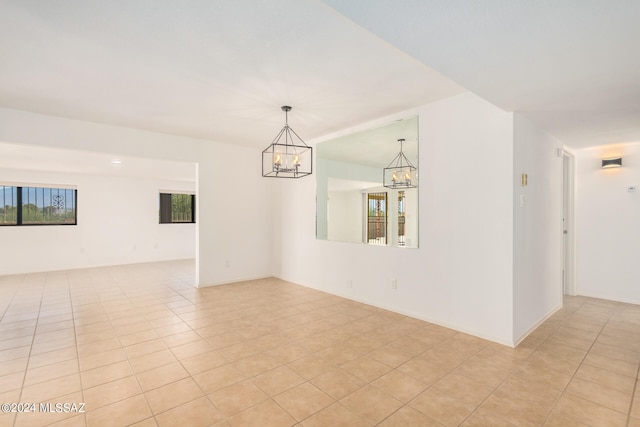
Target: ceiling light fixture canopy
[288, 156]
[400, 173]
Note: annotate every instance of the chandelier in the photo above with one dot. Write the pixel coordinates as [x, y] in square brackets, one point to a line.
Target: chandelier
[400, 173]
[287, 156]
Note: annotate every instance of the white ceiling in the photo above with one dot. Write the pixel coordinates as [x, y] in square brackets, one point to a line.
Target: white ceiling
[217, 70]
[572, 66]
[29, 157]
[344, 185]
[220, 70]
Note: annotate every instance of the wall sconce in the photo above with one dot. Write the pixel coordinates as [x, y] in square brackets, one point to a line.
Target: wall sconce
[612, 163]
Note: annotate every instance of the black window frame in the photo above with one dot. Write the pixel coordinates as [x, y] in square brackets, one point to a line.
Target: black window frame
[19, 206]
[377, 218]
[165, 214]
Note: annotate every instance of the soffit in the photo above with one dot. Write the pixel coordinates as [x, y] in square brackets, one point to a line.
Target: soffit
[216, 70]
[570, 66]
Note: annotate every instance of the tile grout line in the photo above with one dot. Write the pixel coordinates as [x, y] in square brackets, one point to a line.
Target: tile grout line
[491, 394]
[250, 379]
[633, 393]
[15, 292]
[101, 302]
[145, 299]
[142, 392]
[26, 369]
[407, 404]
[369, 383]
[577, 368]
[308, 381]
[35, 333]
[204, 394]
[75, 340]
[228, 362]
[504, 381]
[511, 374]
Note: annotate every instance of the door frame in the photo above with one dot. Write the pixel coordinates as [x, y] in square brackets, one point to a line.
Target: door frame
[568, 222]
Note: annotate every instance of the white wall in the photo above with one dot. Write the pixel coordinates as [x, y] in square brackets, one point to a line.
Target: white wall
[461, 275]
[117, 224]
[607, 231]
[235, 212]
[537, 278]
[345, 214]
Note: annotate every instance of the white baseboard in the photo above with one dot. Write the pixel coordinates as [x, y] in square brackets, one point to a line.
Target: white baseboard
[228, 282]
[413, 315]
[538, 323]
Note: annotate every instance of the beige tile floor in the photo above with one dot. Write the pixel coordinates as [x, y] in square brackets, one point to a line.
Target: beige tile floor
[139, 345]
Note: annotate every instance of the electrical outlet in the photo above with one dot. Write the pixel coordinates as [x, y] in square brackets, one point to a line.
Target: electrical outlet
[227, 264]
[349, 283]
[394, 283]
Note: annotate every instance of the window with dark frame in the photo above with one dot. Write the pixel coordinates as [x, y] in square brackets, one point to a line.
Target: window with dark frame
[377, 218]
[21, 205]
[177, 208]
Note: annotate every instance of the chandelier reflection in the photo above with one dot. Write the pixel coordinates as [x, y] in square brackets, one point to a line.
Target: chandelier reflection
[400, 173]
